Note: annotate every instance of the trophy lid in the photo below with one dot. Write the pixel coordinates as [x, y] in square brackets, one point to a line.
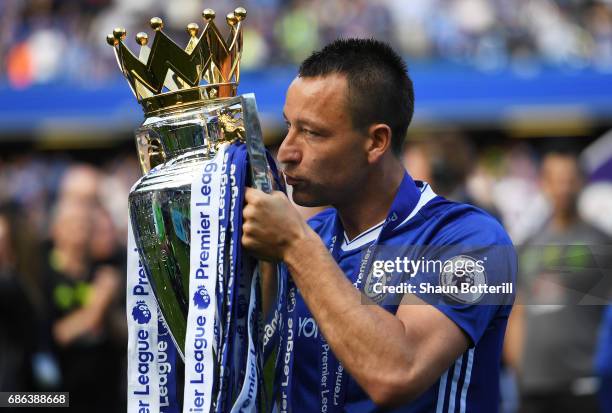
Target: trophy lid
[166, 76]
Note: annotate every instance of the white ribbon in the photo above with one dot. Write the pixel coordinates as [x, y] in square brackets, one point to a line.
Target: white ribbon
[143, 375]
[200, 335]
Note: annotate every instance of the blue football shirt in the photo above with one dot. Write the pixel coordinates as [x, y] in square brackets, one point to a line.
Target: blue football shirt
[418, 217]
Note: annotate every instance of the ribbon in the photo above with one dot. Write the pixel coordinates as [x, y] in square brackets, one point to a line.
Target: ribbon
[223, 344]
[143, 374]
[200, 335]
[166, 367]
[224, 282]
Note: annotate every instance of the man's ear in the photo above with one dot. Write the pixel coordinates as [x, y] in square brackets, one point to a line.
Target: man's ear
[379, 141]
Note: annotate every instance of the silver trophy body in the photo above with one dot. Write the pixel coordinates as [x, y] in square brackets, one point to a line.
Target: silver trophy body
[173, 146]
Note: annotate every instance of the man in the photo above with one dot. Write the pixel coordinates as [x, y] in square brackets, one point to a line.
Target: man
[552, 339]
[347, 113]
[80, 298]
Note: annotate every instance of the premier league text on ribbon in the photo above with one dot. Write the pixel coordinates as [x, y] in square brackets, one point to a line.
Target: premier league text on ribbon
[204, 231]
[199, 371]
[144, 342]
[200, 343]
[165, 369]
[142, 336]
[145, 357]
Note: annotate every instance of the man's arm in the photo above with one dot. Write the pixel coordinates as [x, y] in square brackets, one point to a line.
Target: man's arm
[515, 335]
[89, 318]
[393, 358]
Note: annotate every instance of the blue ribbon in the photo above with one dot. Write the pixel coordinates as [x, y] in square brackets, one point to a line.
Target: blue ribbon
[238, 273]
[242, 285]
[167, 364]
[224, 285]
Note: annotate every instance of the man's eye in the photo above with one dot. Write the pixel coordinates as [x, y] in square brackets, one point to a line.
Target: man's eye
[310, 132]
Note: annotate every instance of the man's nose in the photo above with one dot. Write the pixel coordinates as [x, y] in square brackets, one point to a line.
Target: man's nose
[289, 152]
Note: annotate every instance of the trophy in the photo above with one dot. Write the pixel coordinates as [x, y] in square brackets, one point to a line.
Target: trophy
[185, 221]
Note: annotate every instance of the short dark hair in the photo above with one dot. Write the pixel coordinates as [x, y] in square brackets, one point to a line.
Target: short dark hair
[379, 88]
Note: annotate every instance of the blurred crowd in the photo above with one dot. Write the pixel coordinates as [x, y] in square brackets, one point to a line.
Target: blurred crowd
[62, 277]
[57, 40]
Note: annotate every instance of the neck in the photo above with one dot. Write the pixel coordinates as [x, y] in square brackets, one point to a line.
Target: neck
[70, 262]
[372, 200]
[562, 221]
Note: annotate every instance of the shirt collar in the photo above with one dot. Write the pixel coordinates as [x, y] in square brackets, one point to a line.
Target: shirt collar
[406, 199]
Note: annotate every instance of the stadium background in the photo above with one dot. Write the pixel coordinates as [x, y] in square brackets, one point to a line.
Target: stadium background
[497, 84]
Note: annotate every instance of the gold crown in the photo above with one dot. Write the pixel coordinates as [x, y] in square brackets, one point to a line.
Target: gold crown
[166, 75]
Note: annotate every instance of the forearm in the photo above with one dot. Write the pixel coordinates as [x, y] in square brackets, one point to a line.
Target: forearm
[513, 341]
[353, 329]
[73, 326]
[89, 318]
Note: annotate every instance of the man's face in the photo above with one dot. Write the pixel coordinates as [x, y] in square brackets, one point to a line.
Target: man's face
[72, 226]
[324, 158]
[561, 181]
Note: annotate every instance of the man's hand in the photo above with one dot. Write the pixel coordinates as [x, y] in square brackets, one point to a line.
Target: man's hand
[271, 224]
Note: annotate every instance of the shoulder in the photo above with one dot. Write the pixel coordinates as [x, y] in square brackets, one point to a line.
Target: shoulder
[592, 234]
[459, 223]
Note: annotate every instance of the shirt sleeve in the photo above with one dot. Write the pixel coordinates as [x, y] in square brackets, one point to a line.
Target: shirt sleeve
[472, 274]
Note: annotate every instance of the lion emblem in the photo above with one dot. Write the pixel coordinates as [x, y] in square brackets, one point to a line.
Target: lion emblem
[141, 313]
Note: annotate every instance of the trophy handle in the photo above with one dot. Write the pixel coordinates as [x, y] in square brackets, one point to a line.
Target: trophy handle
[260, 170]
[150, 149]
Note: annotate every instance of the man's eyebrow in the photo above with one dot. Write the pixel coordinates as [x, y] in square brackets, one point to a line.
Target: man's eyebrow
[305, 121]
[311, 123]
